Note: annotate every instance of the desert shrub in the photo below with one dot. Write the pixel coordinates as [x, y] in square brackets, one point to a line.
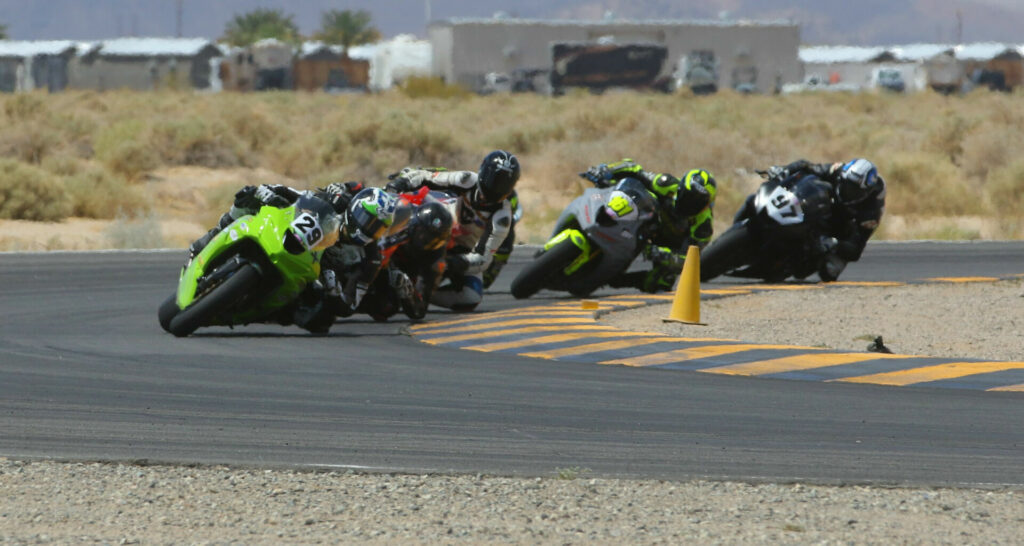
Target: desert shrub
[293, 159]
[418, 87]
[21, 106]
[1005, 191]
[194, 141]
[95, 192]
[126, 150]
[333, 149]
[593, 123]
[989, 148]
[136, 232]
[947, 137]
[918, 183]
[30, 193]
[62, 165]
[30, 142]
[252, 125]
[527, 140]
[400, 131]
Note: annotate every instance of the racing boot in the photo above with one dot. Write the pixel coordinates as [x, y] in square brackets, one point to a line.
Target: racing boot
[199, 244]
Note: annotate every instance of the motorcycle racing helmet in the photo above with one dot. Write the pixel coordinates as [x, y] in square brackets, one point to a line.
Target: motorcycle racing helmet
[369, 215]
[689, 198]
[858, 180]
[498, 175]
[431, 226]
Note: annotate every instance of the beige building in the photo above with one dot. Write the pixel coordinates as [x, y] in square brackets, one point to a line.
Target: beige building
[764, 53]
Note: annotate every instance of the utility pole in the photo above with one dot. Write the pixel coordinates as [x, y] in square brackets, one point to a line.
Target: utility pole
[426, 11]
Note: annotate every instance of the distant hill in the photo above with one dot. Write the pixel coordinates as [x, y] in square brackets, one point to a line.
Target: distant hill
[867, 22]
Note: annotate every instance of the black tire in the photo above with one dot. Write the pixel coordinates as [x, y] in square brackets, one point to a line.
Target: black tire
[167, 310]
[532, 277]
[733, 249]
[215, 301]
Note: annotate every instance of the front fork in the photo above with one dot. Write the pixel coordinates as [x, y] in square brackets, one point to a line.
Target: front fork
[578, 239]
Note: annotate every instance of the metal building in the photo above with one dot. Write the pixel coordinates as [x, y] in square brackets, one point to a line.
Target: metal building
[145, 64]
[28, 65]
[762, 53]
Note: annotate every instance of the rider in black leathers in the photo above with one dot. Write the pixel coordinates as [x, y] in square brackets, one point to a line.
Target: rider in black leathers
[858, 204]
[417, 254]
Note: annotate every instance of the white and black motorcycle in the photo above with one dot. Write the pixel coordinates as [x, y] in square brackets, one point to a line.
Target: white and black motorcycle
[777, 234]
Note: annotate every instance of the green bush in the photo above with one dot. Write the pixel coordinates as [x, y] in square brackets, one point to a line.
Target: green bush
[30, 193]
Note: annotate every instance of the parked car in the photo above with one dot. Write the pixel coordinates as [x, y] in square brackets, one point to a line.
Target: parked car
[889, 79]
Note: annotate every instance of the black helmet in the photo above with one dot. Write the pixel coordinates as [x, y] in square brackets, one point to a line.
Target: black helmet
[369, 215]
[431, 226]
[498, 175]
[858, 179]
[696, 191]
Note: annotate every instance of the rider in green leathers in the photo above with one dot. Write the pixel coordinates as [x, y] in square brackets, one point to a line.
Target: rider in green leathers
[685, 214]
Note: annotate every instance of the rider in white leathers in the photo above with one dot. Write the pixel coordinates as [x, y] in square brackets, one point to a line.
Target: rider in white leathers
[485, 203]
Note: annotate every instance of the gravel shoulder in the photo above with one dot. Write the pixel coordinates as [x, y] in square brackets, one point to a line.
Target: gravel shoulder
[980, 320]
[52, 502]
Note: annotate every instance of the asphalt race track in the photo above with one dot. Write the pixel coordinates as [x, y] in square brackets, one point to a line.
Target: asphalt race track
[86, 373]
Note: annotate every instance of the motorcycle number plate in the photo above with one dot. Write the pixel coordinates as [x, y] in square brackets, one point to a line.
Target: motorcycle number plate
[308, 228]
[781, 205]
[620, 205]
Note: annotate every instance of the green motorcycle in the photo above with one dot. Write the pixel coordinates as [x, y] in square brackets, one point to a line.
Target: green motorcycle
[254, 268]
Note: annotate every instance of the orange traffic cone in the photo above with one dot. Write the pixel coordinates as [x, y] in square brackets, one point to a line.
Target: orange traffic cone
[686, 305]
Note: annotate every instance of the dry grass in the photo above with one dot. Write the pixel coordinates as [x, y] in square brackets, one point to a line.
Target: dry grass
[946, 159]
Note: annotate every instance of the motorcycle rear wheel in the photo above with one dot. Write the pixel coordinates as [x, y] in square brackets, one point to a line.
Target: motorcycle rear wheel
[218, 299]
[532, 278]
[733, 249]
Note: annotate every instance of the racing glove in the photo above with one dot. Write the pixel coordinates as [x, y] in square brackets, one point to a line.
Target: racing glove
[663, 256]
[599, 175]
[406, 179]
[658, 279]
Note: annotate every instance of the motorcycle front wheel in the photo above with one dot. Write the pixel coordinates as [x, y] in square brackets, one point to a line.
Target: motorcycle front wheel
[215, 301]
[733, 249]
[550, 263]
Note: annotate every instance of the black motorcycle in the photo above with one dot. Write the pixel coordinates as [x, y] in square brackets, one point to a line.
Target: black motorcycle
[779, 232]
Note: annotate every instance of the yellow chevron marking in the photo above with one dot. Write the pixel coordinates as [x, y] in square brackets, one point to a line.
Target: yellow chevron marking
[612, 304]
[798, 362]
[510, 312]
[554, 338]
[513, 331]
[695, 353]
[597, 347]
[1017, 388]
[756, 287]
[724, 291]
[638, 297]
[503, 323]
[866, 283]
[963, 279]
[933, 373]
